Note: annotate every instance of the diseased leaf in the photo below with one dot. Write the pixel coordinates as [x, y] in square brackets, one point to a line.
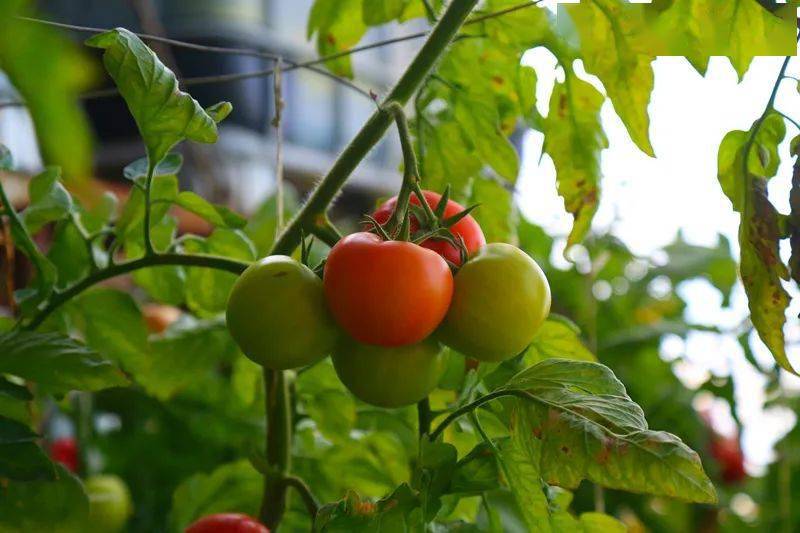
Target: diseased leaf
[397, 512]
[761, 267]
[481, 127]
[56, 363]
[615, 47]
[164, 114]
[574, 138]
[580, 424]
[48, 200]
[338, 25]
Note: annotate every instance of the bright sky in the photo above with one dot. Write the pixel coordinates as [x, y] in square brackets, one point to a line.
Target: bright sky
[646, 201]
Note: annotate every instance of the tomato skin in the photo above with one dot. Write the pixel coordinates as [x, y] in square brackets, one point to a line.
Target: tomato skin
[468, 228]
[110, 503]
[728, 453]
[227, 523]
[500, 299]
[65, 451]
[277, 315]
[389, 377]
[387, 293]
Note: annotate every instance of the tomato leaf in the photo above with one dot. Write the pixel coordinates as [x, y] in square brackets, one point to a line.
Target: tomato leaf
[397, 512]
[55, 362]
[557, 339]
[325, 399]
[574, 138]
[169, 166]
[761, 267]
[20, 456]
[375, 12]
[338, 25]
[164, 114]
[232, 488]
[49, 72]
[219, 215]
[48, 200]
[58, 506]
[580, 424]
[614, 47]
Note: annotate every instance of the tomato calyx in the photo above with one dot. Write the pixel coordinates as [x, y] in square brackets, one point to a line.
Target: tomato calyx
[420, 223]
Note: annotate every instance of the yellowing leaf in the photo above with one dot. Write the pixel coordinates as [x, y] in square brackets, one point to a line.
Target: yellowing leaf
[338, 26]
[615, 47]
[574, 138]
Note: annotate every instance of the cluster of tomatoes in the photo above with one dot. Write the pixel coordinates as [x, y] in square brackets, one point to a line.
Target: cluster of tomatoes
[386, 308]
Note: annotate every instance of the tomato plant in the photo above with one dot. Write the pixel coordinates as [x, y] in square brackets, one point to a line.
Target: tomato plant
[192, 368]
[271, 301]
[387, 293]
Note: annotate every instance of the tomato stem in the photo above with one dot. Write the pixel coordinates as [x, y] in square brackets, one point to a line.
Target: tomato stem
[279, 438]
[424, 416]
[148, 185]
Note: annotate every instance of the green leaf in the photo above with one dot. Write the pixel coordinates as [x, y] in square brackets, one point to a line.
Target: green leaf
[338, 26]
[558, 339]
[496, 212]
[574, 138]
[164, 114]
[476, 472]
[206, 289]
[376, 12]
[165, 284]
[113, 325]
[14, 391]
[481, 126]
[6, 159]
[219, 111]
[231, 488]
[55, 362]
[59, 506]
[218, 215]
[614, 47]
[48, 200]
[186, 354]
[169, 166]
[327, 402]
[49, 72]
[739, 29]
[20, 457]
[163, 192]
[580, 424]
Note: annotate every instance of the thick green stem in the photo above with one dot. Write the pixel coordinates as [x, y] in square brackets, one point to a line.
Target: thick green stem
[279, 439]
[208, 261]
[376, 126]
[424, 416]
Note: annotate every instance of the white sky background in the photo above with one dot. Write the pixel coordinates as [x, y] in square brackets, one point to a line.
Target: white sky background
[646, 201]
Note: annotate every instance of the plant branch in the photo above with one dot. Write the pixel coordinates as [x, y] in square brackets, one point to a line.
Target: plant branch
[302, 488]
[468, 408]
[325, 231]
[208, 261]
[424, 416]
[279, 438]
[317, 204]
[148, 185]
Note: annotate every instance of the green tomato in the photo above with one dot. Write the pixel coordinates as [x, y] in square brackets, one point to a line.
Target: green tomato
[277, 314]
[389, 376]
[110, 503]
[500, 299]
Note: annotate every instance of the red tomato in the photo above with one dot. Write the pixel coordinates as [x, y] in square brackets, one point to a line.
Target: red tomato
[65, 451]
[467, 227]
[227, 523]
[387, 293]
[728, 453]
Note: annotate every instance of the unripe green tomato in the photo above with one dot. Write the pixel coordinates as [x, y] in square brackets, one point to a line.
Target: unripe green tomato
[500, 299]
[277, 314]
[110, 503]
[389, 376]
